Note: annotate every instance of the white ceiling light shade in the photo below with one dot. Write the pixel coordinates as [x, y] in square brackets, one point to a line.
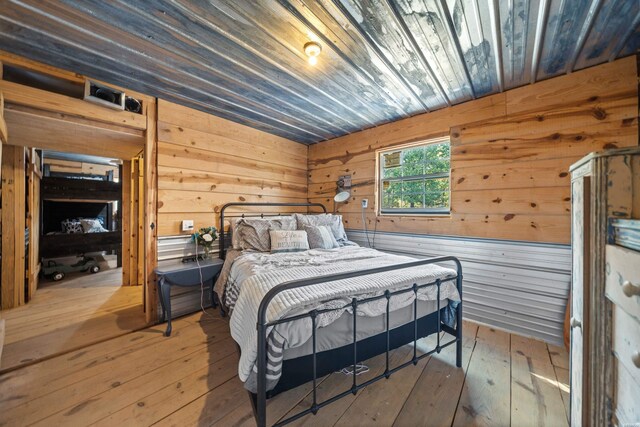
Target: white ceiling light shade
[312, 50]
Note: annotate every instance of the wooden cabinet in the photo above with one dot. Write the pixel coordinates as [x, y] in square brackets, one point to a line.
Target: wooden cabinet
[605, 288]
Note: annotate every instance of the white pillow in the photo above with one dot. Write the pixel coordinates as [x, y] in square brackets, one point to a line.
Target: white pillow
[288, 241]
[72, 226]
[92, 226]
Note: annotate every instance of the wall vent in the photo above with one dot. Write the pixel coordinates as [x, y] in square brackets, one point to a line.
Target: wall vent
[104, 95]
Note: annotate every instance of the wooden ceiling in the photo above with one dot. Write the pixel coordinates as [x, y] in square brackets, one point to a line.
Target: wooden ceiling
[382, 60]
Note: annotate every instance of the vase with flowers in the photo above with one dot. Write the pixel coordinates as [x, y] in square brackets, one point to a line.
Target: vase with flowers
[205, 237]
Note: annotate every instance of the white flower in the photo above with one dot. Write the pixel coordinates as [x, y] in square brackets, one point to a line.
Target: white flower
[207, 238]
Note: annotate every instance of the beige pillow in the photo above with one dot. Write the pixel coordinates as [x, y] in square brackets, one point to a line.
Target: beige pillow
[253, 233]
[288, 241]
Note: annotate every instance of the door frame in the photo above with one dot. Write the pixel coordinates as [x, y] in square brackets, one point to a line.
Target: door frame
[151, 214]
[118, 128]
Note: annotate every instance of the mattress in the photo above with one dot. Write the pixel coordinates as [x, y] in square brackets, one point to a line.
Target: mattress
[340, 332]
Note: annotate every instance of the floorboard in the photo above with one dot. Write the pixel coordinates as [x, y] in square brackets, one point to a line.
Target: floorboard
[535, 395]
[562, 375]
[337, 383]
[437, 390]
[380, 403]
[72, 314]
[485, 396]
[61, 372]
[143, 378]
[559, 356]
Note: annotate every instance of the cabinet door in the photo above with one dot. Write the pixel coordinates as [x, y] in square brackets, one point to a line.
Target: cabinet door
[581, 218]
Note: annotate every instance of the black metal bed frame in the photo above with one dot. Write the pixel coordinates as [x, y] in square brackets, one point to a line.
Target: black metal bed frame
[259, 400]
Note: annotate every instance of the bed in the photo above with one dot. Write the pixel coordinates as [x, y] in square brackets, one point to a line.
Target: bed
[73, 200]
[297, 316]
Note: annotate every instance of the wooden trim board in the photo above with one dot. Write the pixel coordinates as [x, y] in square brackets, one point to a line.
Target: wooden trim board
[4, 133]
[150, 184]
[13, 221]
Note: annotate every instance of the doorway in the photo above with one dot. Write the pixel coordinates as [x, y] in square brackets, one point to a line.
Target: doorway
[50, 317]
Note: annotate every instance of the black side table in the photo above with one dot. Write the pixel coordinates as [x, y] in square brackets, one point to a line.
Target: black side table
[178, 273]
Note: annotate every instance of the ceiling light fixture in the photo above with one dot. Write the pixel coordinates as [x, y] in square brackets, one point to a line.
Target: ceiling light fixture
[312, 50]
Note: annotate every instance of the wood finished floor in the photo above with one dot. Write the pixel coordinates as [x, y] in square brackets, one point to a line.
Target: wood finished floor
[143, 378]
[63, 316]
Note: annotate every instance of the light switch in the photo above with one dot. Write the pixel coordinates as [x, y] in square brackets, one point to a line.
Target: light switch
[187, 225]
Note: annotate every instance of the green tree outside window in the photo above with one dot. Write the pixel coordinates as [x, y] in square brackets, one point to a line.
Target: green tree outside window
[419, 182]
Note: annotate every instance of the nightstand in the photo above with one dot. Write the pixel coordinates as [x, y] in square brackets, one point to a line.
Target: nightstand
[178, 273]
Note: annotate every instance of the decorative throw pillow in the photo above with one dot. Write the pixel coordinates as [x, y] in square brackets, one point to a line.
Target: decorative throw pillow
[288, 241]
[320, 237]
[334, 222]
[92, 226]
[72, 226]
[253, 233]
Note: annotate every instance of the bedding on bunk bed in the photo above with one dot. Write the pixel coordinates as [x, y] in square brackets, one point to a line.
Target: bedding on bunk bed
[248, 275]
[80, 226]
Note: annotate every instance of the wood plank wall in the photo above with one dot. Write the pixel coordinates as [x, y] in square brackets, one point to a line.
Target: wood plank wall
[205, 161]
[13, 225]
[511, 154]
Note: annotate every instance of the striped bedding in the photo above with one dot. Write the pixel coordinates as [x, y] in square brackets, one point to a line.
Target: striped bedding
[248, 276]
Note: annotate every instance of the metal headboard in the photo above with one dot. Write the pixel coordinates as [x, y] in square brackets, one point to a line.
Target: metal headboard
[223, 238]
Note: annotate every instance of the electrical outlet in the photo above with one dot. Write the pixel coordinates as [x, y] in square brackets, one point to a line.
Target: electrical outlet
[187, 225]
[365, 203]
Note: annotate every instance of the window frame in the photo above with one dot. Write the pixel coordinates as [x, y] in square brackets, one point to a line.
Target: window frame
[432, 212]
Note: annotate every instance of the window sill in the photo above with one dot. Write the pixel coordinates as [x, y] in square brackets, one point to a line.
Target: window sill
[417, 215]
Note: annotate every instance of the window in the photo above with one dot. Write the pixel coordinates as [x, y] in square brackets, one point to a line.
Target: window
[415, 179]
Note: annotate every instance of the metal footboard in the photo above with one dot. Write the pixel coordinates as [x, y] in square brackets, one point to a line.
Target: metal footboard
[261, 397]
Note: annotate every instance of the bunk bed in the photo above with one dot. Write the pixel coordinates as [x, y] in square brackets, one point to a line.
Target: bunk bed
[64, 197]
